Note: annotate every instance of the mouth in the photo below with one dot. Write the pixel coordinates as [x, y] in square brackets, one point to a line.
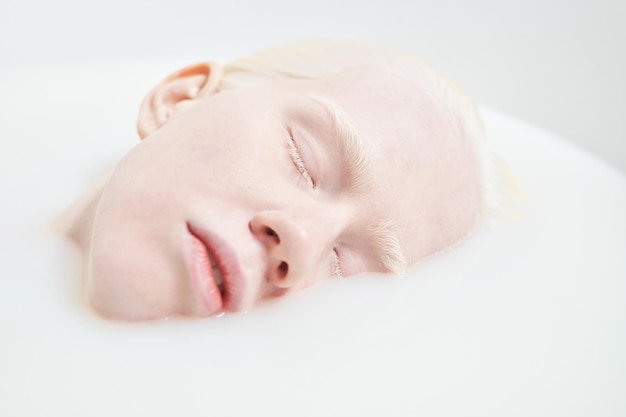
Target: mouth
[216, 279]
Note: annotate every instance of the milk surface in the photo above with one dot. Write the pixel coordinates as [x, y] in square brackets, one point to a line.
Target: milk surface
[525, 317]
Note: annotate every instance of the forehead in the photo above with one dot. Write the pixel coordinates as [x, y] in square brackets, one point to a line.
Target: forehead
[394, 112]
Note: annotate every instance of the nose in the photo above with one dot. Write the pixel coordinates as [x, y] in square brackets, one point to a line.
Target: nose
[297, 244]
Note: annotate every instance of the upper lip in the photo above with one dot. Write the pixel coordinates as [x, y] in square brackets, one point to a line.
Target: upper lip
[228, 262]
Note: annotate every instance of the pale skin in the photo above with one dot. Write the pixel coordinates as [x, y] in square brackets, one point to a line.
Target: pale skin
[238, 195]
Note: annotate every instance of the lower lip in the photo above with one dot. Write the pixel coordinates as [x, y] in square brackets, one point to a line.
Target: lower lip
[204, 287]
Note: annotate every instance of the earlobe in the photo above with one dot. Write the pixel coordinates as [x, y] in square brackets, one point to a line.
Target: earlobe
[177, 90]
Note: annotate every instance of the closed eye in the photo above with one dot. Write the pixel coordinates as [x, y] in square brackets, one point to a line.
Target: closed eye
[298, 162]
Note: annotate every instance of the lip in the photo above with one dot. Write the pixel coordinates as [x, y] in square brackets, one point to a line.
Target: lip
[203, 246]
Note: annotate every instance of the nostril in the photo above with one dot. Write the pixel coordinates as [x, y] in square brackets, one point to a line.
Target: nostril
[270, 232]
[283, 269]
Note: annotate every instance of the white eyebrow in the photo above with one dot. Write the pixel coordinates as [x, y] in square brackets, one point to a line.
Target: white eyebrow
[351, 150]
[358, 164]
[388, 246]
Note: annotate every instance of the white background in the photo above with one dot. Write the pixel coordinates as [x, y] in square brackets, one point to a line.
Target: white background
[557, 64]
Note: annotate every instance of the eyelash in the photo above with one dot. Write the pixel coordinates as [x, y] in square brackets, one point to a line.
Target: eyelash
[335, 264]
[296, 158]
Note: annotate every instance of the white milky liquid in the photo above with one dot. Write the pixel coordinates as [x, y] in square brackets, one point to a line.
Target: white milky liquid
[526, 317]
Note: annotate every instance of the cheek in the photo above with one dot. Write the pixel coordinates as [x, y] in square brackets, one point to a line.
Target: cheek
[314, 280]
[135, 267]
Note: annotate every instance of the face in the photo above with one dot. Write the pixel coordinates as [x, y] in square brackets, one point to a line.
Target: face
[250, 193]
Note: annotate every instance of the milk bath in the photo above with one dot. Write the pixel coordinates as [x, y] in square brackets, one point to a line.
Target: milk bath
[527, 316]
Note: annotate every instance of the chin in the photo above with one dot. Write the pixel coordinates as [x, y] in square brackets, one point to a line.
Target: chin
[124, 308]
[131, 291]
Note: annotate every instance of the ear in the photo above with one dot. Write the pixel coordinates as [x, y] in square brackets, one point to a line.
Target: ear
[176, 92]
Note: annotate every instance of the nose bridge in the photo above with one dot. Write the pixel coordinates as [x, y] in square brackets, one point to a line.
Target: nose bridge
[298, 239]
[329, 215]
